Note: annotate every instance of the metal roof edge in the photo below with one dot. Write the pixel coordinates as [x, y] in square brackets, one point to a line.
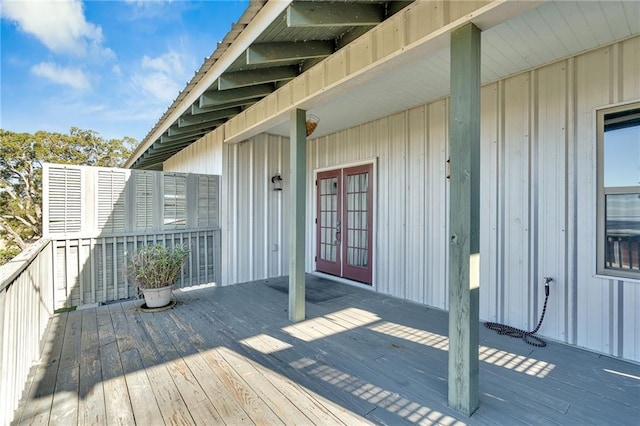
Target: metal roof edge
[258, 15]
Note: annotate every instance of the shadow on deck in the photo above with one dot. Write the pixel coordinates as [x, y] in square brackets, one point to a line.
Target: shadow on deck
[230, 356]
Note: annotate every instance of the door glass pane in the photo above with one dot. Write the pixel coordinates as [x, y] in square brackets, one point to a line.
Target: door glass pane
[328, 218]
[356, 208]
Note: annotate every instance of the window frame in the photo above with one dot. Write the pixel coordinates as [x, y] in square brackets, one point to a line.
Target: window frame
[602, 192]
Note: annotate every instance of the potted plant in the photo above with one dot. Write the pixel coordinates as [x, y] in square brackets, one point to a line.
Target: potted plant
[155, 268]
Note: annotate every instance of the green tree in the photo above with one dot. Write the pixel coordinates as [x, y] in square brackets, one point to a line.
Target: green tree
[21, 159]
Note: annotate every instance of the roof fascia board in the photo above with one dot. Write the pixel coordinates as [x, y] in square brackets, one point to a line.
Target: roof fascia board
[237, 129]
[269, 12]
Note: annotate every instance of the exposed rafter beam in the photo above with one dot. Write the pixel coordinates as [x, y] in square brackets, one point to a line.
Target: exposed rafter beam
[183, 138]
[184, 132]
[142, 165]
[329, 14]
[233, 80]
[200, 119]
[219, 97]
[161, 148]
[195, 109]
[162, 155]
[152, 162]
[267, 53]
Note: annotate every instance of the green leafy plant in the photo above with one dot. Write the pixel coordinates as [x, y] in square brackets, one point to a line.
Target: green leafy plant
[157, 266]
[7, 254]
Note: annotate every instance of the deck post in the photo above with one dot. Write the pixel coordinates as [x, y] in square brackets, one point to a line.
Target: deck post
[298, 180]
[464, 219]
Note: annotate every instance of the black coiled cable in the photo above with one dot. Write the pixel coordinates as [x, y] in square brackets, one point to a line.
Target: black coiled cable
[527, 336]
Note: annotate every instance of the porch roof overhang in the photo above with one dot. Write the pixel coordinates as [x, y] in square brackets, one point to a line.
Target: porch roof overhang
[273, 65]
[272, 43]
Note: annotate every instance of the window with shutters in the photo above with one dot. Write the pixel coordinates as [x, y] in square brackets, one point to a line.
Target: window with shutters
[619, 191]
[175, 201]
[144, 201]
[207, 201]
[111, 205]
[65, 200]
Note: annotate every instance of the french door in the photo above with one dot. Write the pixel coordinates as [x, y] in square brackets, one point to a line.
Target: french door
[344, 222]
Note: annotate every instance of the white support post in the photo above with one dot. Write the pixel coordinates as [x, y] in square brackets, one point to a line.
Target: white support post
[464, 215]
[297, 179]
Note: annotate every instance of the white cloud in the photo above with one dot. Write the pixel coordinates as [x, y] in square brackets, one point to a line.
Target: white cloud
[162, 77]
[60, 25]
[157, 85]
[170, 63]
[73, 77]
[116, 70]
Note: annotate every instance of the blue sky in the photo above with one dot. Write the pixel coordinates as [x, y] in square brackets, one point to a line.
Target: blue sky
[109, 66]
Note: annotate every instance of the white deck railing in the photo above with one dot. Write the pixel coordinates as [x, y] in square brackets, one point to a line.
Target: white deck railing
[64, 273]
[26, 305]
[93, 269]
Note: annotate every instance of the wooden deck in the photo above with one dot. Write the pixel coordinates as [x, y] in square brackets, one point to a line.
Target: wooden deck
[229, 356]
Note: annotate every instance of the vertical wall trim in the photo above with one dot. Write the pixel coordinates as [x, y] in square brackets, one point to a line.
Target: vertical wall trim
[464, 251]
[298, 182]
[501, 199]
[572, 283]
[568, 133]
[620, 347]
[236, 213]
[611, 309]
[268, 191]
[251, 248]
[534, 198]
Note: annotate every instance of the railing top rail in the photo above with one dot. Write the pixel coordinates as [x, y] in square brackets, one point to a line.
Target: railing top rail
[131, 234]
[10, 270]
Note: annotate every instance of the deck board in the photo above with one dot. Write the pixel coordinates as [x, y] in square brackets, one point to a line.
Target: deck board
[230, 356]
[43, 378]
[143, 403]
[117, 402]
[64, 408]
[91, 409]
[173, 409]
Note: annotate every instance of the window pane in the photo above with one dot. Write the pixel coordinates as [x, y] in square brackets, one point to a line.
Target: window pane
[622, 231]
[622, 149]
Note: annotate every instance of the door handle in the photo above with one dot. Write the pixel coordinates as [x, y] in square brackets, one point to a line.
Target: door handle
[338, 233]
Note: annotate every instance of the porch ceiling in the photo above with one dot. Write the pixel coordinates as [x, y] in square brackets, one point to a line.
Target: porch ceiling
[305, 33]
[553, 31]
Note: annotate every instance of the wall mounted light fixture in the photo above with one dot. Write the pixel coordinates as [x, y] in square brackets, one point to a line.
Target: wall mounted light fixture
[312, 123]
[276, 180]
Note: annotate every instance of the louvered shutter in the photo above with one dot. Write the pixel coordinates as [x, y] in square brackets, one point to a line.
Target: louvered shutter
[207, 201]
[65, 200]
[175, 201]
[144, 201]
[111, 206]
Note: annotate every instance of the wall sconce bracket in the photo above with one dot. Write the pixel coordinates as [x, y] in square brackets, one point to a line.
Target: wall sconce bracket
[276, 180]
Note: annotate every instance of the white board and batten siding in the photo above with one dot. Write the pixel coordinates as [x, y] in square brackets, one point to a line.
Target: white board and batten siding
[203, 156]
[538, 195]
